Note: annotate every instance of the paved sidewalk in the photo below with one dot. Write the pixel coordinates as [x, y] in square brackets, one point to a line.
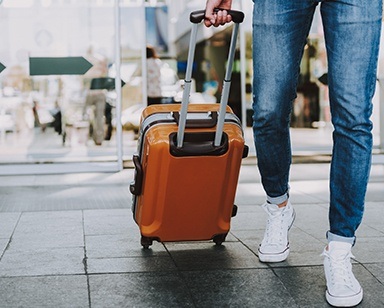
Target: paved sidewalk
[69, 240]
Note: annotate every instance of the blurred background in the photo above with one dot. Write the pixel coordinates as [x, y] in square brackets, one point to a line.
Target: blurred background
[74, 79]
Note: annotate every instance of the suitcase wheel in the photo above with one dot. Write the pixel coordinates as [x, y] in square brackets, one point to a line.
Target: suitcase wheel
[146, 242]
[219, 238]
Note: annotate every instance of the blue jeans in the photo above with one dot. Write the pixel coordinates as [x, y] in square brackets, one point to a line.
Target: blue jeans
[352, 35]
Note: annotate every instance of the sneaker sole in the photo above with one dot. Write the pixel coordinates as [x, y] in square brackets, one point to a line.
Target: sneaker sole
[273, 258]
[279, 257]
[349, 301]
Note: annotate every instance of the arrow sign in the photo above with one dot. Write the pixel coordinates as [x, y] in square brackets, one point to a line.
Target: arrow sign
[106, 83]
[2, 67]
[58, 66]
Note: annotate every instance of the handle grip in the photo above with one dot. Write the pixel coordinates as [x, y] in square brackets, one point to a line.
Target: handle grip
[198, 16]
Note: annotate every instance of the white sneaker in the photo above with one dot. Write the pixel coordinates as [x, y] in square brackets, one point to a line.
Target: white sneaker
[343, 290]
[275, 245]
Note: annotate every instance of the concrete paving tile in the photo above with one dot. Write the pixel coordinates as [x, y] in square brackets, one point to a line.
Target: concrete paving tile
[249, 193]
[57, 221]
[123, 177]
[70, 197]
[365, 230]
[373, 215]
[8, 223]
[301, 193]
[112, 221]
[313, 190]
[49, 229]
[38, 262]
[299, 197]
[120, 246]
[249, 220]
[309, 172]
[245, 200]
[298, 172]
[312, 219]
[237, 288]
[204, 255]
[51, 291]
[305, 284]
[250, 238]
[130, 265]
[369, 250]
[249, 174]
[144, 290]
[304, 249]
[373, 288]
[3, 245]
[377, 270]
[95, 196]
[33, 241]
[249, 208]
[377, 173]
[375, 192]
[300, 240]
[230, 238]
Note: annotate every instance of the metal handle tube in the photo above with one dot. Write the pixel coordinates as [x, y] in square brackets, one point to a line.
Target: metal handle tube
[187, 87]
[226, 86]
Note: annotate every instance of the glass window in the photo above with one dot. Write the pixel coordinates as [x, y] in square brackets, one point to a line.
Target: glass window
[57, 92]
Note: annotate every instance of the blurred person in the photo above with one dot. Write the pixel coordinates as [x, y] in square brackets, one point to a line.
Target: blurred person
[352, 35]
[153, 77]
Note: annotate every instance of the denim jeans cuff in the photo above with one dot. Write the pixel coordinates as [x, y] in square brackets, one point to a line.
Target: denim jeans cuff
[338, 238]
[277, 200]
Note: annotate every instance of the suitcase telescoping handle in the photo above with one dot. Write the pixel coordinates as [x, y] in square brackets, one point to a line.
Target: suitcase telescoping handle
[196, 17]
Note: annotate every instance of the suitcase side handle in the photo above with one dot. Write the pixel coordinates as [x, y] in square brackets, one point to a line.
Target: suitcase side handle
[208, 122]
[136, 185]
[197, 16]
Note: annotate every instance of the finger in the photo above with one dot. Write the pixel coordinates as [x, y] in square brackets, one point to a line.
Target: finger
[224, 17]
[229, 18]
[210, 18]
[208, 22]
[220, 19]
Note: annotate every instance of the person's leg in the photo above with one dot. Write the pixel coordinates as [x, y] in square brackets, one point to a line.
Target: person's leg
[352, 33]
[280, 29]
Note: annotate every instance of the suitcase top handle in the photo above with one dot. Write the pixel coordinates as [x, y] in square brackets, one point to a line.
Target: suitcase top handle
[197, 16]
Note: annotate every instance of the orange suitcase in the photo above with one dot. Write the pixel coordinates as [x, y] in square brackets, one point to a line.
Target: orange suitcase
[187, 165]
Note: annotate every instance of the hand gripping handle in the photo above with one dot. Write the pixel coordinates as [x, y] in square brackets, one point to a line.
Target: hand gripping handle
[198, 16]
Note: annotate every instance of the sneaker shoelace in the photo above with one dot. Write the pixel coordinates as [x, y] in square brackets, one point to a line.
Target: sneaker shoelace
[274, 234]
[340, 269]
